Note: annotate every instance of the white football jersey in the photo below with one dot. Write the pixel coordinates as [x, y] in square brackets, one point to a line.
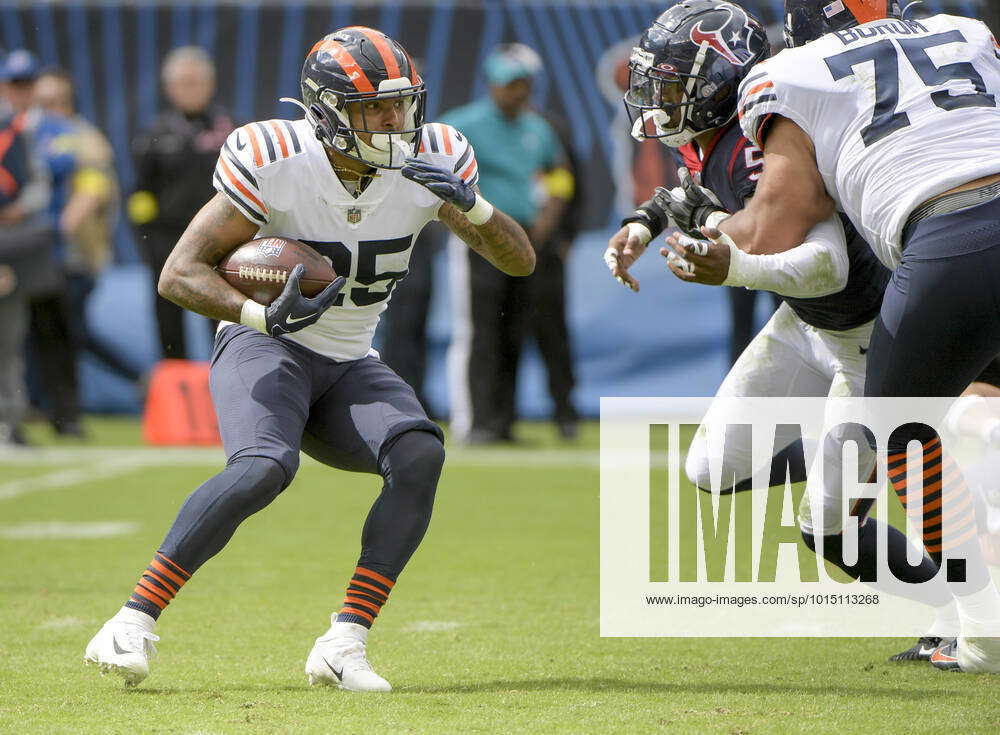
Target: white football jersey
[277, 174]
[898, 111]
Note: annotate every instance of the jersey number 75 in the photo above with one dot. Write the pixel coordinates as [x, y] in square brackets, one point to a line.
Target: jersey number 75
[886, 119]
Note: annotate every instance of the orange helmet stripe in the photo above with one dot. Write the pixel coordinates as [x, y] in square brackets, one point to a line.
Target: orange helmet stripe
[347, 63]
[384, 49]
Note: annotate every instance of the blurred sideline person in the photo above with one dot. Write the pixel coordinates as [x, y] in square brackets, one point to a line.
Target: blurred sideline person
[25, 243]
[52, 350]
[357, 179]
[547, 320]
[832, 283]
[835, 139]
[87, 219]
[174, 160]
[515, 147]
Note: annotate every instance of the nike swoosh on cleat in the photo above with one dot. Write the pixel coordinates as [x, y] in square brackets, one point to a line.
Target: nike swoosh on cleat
[925, 651]
[942, 658]
[338, 674]
[118, 649]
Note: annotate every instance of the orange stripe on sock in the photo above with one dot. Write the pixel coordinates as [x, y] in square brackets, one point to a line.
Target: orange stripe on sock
[359, 583]
[368, 604]
[139, 590]
[161, 568]
[355, 611]
[170, 587]
[152, 589]
[175, 565]
[967, 536]
[376, 576]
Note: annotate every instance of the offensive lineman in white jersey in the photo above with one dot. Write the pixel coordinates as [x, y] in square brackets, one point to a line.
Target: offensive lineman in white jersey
[895, 122]
[683, 87]
[357, 179]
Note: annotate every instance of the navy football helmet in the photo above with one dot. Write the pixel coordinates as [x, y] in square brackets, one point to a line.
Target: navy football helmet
[356, 65]
[685, 73]
[807, 20]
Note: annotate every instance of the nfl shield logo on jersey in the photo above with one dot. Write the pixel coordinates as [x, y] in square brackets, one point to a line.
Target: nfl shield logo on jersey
[353, 215]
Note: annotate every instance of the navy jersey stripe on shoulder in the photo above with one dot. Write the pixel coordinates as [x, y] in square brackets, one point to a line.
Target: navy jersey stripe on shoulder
[294, 136]
[239, 201]
[464, 159]
[760, 100]
[271, 156]
[231, 157]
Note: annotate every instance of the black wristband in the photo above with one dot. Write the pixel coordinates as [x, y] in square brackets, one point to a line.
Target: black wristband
[650, 215]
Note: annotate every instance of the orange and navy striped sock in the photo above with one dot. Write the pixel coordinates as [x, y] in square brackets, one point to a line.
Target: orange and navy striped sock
[157, 586]
[944, 493]
[366, 594]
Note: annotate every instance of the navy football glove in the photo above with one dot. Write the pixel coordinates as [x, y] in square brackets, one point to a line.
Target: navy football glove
[292, 311]
[442, 182]
[688, 205]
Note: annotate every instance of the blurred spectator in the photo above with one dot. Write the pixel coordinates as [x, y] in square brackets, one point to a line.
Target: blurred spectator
[175, 160]
[514, 148]
[52, 350]
[88, 216]
[547, 321]
[24, 236]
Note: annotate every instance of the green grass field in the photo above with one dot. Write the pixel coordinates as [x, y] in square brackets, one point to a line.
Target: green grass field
[493, 628]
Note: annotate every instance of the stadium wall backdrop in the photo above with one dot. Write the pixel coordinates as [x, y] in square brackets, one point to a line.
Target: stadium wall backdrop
[113, 51]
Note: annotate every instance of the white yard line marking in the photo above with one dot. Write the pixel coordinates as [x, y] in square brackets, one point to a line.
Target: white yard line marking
[102, 463]
[168, 456]
[67, 529]
[431, 626]
[62, 623]
[100, 470]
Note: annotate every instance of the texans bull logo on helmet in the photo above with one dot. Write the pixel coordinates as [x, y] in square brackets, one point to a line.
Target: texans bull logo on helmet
[684, 74]
[714, 38]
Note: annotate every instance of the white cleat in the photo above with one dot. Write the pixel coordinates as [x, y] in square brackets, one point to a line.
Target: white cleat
[979, 655]
[338, 659]
[124, 646]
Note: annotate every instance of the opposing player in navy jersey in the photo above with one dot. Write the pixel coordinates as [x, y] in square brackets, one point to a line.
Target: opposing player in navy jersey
[896, 123]
[356, 179]
[685, 74]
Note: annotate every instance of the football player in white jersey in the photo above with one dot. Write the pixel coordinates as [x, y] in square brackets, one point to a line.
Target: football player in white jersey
[832, 286]
[896, 123]
[356, 179]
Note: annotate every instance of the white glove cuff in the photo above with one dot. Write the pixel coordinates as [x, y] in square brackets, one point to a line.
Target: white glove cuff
[744, 269]
[481, 211]
[639, 230]
[715, 218]
[253, 315]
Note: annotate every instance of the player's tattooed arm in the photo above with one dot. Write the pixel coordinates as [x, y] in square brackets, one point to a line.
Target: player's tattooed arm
[501, 240]
[790, 198]
[189, 278]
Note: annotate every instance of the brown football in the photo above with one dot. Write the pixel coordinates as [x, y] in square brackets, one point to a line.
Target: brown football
[260, 268]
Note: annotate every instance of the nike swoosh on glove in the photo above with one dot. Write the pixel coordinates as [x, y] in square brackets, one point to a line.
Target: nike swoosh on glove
[447, 185]
[688, 205]
[292, 311]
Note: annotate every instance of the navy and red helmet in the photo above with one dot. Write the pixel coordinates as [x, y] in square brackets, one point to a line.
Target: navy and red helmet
[357, 64]
[807, 20]
[684, 75]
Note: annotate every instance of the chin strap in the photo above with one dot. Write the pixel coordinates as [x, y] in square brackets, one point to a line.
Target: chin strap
[319, 130]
